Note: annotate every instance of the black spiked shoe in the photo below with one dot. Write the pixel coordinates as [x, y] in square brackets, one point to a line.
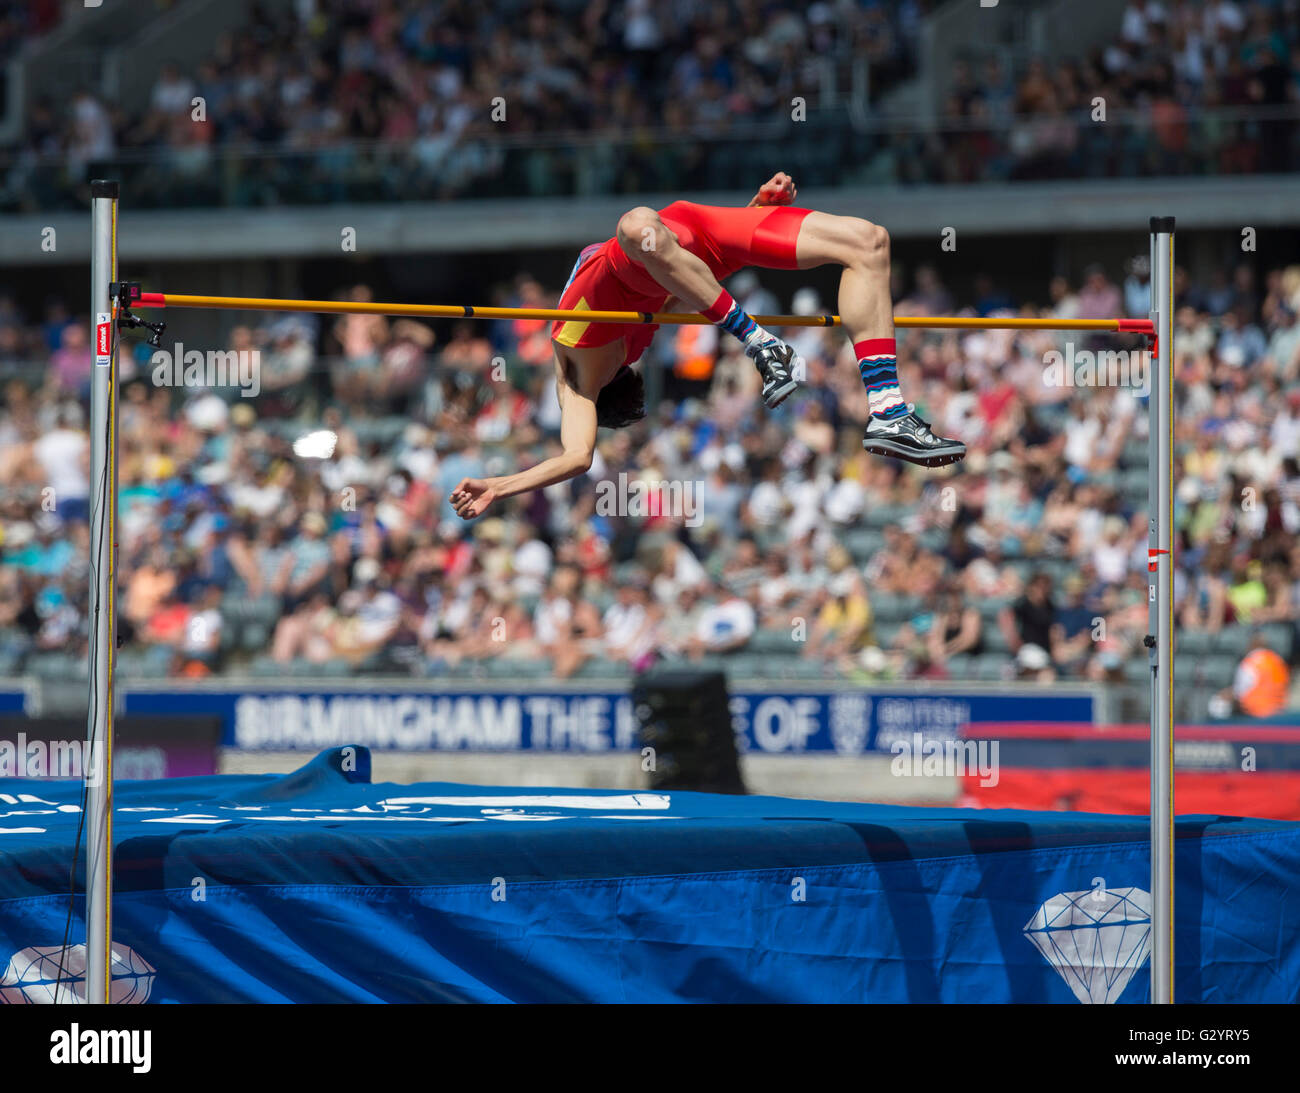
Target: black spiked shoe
[774, 363]
[909, 437]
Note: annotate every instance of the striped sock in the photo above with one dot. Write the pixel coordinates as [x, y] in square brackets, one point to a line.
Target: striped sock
[726, 313]
[878, 363]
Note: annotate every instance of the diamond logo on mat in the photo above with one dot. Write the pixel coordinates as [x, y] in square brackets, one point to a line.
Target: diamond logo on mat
[33, 976]
[1095, 940]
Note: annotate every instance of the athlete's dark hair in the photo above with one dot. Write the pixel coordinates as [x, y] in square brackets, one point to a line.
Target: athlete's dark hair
[622, 400]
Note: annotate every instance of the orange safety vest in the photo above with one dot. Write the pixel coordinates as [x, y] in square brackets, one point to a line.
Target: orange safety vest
[1262, 679]
[694, 360]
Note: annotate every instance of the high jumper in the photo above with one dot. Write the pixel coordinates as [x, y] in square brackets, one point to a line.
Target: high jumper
[810, 238]
[680, 254]
[622, 289]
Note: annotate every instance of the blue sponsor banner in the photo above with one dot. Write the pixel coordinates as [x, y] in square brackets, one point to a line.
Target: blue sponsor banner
[13, 701]
[274, 720]
[854, 722]
[844, 722]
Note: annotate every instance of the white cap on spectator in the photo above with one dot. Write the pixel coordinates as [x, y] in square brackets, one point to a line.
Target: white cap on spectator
[1032, 658]
[806, 302]
[417, 435]
[873, 659]
[207, 413]
[20, 534]
[841, 584]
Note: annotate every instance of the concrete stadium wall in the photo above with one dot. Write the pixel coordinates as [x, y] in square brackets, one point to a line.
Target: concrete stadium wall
[496, 226]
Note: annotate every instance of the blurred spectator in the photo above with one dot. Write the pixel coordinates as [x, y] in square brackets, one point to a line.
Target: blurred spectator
[1099, 298]
[724, 626]
[842, 626]
[1072, 632]
[565, 624]
[1029, 620]
[629, 626]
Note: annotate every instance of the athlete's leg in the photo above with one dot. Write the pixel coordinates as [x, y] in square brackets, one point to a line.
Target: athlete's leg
[648, 242]
[862, 248]
[867, 315]
[866, 310]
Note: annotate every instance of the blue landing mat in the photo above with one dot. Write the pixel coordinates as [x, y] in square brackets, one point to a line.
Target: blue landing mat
[319, 886]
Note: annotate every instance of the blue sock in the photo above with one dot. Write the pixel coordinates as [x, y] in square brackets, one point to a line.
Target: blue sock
[878, 366]
[727, 314]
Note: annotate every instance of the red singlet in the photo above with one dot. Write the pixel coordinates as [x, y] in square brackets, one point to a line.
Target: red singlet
[726, 239]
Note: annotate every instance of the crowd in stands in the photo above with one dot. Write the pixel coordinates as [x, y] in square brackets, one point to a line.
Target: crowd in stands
[308, 529]
[1215, 86]
[372, 100]
[451, 87]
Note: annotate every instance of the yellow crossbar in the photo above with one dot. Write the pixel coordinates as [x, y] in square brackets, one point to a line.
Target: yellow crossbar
[458, 311]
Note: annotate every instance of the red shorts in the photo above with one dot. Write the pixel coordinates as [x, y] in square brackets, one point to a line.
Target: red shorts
[727, 239]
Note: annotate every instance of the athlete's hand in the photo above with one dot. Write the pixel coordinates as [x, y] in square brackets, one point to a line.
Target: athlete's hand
[472, 498]
[778, 190]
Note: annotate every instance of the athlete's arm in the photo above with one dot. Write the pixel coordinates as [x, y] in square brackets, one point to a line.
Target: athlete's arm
[578, 439]
[778, 190]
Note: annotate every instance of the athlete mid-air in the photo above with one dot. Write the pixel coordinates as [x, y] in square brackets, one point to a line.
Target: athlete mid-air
[680, 253]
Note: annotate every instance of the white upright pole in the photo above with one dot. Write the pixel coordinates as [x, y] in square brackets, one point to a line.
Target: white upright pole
[103, 600]
[1160, 567]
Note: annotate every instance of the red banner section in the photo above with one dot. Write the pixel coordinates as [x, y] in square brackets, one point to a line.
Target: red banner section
[1229, 770]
